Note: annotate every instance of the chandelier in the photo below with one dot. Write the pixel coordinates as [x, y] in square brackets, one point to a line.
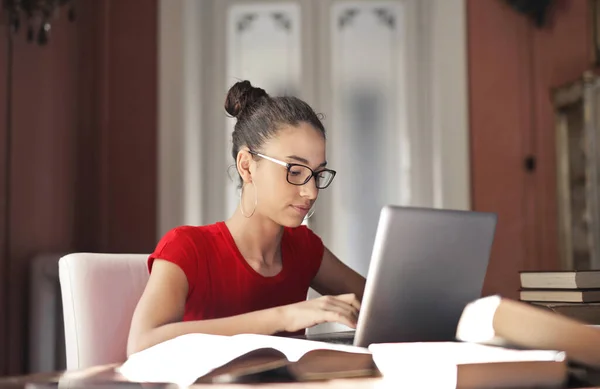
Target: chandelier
[537, 10]
[36, 16]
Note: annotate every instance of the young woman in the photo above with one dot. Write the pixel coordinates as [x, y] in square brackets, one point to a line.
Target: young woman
[251, 273]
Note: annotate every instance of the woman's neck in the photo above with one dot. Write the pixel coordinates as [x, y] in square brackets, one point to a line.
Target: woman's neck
[258, 239]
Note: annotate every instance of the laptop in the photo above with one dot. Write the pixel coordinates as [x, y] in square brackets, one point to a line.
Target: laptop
[426, 265]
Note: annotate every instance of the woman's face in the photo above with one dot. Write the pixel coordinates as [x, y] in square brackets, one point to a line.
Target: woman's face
[282, 202]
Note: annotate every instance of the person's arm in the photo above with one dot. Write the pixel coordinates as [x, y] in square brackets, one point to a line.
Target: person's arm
[335, 278]
[159, 313]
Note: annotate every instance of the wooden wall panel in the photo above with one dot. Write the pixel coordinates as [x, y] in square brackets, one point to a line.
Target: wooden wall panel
[512, 68]
[117, 136]
[44, 115]
[3, 209]
[90, 185]
[132, 118]
[499, 122]
[83, 151]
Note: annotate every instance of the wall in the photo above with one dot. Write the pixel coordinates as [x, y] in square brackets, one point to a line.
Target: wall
[4, 287]
[512, 68]
[83, 150]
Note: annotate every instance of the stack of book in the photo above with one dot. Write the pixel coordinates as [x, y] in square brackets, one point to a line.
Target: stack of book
[575, 294]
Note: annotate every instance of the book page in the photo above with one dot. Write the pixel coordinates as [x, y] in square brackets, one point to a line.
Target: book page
[181, 360]
[293, 348]
[459, 353]
[184, 359]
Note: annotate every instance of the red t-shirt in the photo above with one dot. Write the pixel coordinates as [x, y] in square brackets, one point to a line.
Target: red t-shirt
[220, 281]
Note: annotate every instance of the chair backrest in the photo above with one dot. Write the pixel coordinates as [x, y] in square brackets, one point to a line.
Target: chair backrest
[99, 294]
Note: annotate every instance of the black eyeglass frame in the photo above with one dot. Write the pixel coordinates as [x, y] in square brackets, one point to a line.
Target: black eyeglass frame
[289, 166]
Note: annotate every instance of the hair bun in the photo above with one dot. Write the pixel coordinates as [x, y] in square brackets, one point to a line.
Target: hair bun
[241, 96]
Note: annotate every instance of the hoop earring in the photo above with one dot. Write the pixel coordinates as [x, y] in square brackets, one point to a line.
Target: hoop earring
[255, 201]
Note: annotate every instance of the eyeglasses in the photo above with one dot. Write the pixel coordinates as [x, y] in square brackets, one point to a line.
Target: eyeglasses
[298, 174]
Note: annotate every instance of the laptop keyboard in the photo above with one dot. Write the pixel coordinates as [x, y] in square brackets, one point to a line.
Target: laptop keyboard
[345, 337]
[346, 341]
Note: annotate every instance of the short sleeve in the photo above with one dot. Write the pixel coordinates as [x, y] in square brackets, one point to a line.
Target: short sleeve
[178, 247]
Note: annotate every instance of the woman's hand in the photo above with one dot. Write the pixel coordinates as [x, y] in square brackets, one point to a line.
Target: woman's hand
[341, 309]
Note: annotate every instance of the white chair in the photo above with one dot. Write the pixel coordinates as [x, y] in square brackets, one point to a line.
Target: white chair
[99, 295]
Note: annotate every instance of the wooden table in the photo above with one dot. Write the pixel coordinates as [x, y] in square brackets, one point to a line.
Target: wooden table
[105, 377]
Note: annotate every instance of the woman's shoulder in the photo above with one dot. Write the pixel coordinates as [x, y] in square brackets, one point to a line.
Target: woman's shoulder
[190, 230]
[191, 233]
[185, 243]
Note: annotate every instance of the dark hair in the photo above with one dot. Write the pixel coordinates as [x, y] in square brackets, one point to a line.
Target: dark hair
[260, 116]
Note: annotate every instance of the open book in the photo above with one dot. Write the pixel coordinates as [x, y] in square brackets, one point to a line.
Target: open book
[212, 358]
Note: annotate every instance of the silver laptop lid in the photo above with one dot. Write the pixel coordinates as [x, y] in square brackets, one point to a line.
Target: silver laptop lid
[426, 265]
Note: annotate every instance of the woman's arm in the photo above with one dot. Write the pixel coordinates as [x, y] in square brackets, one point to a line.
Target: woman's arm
[159, 313]
[334, 278]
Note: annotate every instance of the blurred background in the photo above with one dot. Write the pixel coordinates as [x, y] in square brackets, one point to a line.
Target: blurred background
[112, 128]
